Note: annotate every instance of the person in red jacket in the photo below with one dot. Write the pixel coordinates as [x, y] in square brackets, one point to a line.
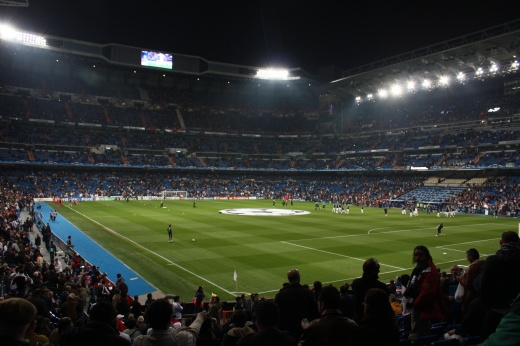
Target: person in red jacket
[425, 292]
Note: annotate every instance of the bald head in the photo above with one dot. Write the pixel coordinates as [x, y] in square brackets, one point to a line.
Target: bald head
[293, 276]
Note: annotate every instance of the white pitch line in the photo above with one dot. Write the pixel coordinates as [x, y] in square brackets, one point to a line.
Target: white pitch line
[337, 254]
[153, 253]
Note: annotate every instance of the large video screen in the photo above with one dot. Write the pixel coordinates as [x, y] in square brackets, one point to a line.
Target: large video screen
[156, 59]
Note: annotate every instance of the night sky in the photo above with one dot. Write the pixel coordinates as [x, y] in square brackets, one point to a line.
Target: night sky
[305, 34]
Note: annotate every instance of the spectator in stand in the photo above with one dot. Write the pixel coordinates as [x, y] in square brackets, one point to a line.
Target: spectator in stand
[100, 329]
[368, 280]
[468, 279]
[332, 328]
[425, 293]
[295, 303]
[500, 280]
[449, 287]
[135, 307]
[64, 325]
[69, 308]
[395, 304]
[378, 325]
[159, 316]
[238, 328]
[16, 315]
[267, 317]
[206, 335]
[149, 300]
[347, 304]
[198, 299]
[177, 309]
[131, 327]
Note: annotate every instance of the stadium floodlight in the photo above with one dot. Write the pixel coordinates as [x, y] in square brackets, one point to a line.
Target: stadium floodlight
[9, 33]
[396, 90]
[461, 76]
[444, 80]
[382, 93]
[493, 68]
[426, 84]
[370, 97]
[514, 65]
[410, 85]
[273, 74]
[358, 99]
[480, 71]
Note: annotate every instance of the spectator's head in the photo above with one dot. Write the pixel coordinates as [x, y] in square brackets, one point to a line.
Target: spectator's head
[159, 314]
[16, 315]
[421, 255]
[239, 318]
[317, 286]
[103, 311]
[377, 305]
[328, 299]
[509, 237]
[472, 255]
[371, 267]
[267, 314]
[293, 276]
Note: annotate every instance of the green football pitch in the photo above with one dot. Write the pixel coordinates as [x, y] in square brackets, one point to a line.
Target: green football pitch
[324, 246]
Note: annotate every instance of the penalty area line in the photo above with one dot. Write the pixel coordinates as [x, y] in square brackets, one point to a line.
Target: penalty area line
[337, 254]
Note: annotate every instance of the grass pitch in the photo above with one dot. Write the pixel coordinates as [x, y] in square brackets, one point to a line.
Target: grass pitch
[323, 245]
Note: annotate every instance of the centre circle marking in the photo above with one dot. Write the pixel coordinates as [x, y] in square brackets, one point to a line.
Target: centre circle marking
[263, 212]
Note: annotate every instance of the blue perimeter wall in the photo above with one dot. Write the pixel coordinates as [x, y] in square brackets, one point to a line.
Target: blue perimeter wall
[95, 254]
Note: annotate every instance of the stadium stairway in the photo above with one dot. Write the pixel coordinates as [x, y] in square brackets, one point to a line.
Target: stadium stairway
[96, 255]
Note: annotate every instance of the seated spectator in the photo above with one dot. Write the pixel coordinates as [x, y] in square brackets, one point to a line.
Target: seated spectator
[206, 335]
[396, 306]
[159, 316]
[99, 330]
[332, 328]
[33, 334]
[266, 318]
[131, 327]
[63, 325]
[238, 328]
[16, 316]
[378, 325]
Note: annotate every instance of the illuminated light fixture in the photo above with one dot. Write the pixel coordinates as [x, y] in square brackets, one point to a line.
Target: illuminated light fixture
[479, 71]
[358, 99]
[514, 65]
[370, 97]
[444, 80]
[493, 68]
[274, 74]
[410, 85]
[11, 34]
[383, 93]
[396, 90]
[426, 84]
[461, 76]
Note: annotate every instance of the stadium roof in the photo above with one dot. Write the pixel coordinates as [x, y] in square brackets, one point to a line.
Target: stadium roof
[498, 45]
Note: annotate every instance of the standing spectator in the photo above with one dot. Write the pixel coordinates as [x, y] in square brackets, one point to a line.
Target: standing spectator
[136, 307]
[177, 309]
[332, 328]
[500, 280]
[424, 291]
[198, 299]
[238, 328]
[368, 280]
[16, 315]
[378, 324]
[149, 300]
[468, 279]
[295, 303]
[100, 329]
[267, 317]
[52, 250]
[159, 316]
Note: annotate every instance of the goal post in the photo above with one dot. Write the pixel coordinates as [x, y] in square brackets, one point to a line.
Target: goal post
[174, 194]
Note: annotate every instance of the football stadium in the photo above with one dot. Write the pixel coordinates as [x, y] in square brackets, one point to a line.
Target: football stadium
[258, 172]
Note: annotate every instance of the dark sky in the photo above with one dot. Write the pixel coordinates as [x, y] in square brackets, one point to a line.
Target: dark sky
[287, 33]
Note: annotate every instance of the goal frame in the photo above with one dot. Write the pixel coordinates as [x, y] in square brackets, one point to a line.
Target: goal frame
[174, 194]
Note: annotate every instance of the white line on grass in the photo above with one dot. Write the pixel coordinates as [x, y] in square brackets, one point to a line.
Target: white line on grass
[153, 253]
[337, 254]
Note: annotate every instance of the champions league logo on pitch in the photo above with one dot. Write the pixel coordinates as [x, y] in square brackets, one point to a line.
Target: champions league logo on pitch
[263, 212]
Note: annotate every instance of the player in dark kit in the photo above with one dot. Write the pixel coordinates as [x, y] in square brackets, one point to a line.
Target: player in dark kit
[439, 229]
[169, 233]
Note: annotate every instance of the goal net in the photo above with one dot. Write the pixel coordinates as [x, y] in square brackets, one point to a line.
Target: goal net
[174, 194]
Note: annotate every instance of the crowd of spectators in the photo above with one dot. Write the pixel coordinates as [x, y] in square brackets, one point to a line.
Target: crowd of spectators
[78, 305]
